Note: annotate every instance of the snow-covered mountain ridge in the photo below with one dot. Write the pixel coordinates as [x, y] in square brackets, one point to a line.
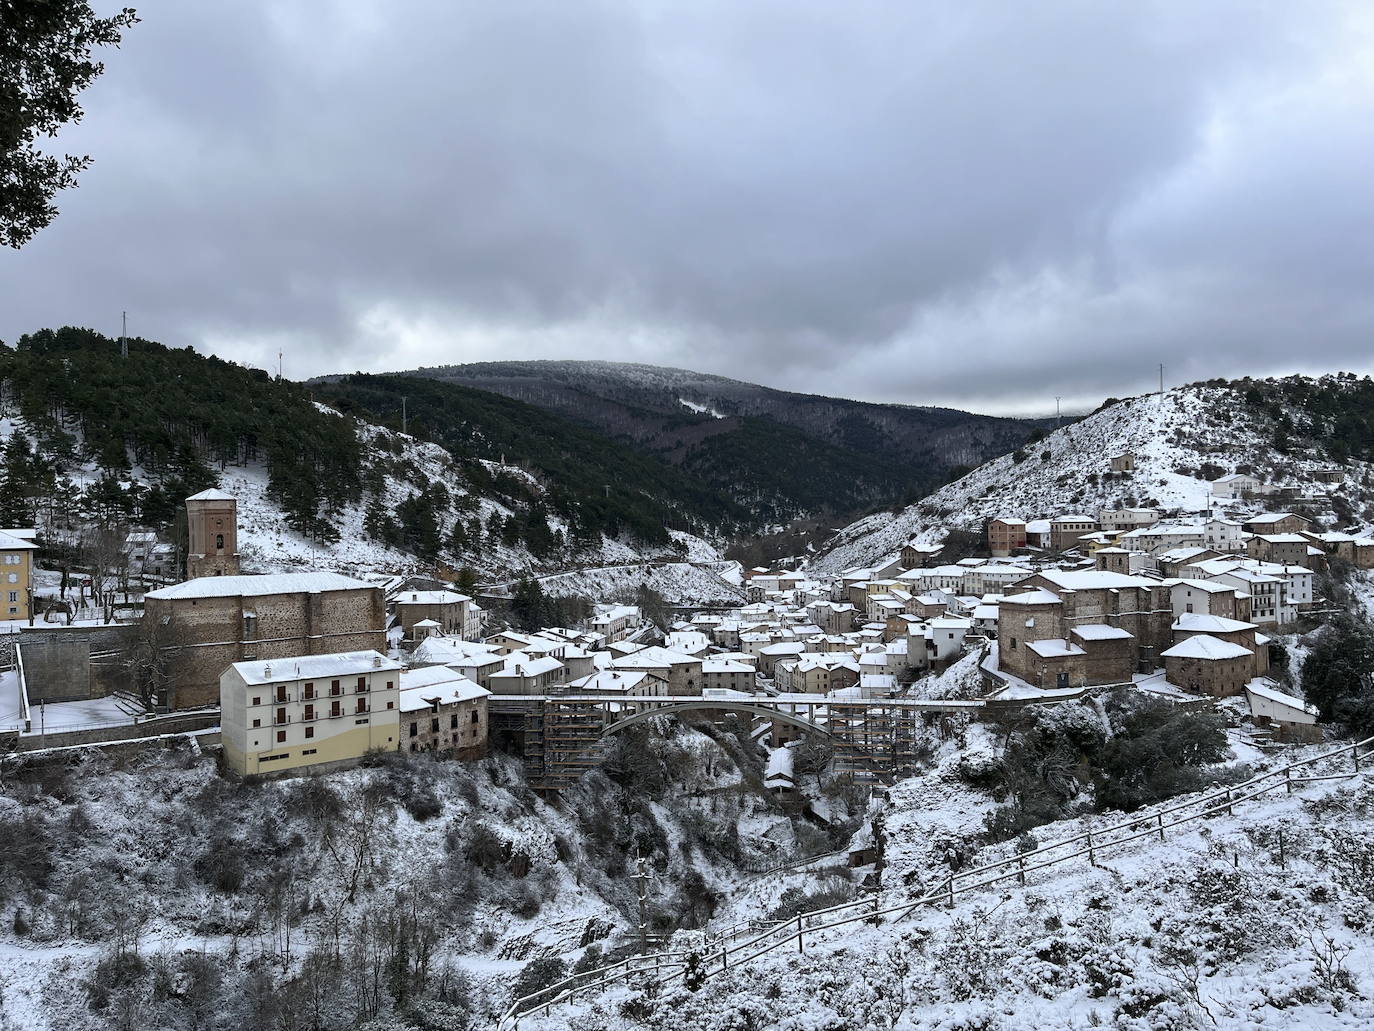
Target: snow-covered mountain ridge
[1180, 441]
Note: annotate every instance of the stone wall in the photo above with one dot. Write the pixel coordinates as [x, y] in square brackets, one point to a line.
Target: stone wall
[208, 634]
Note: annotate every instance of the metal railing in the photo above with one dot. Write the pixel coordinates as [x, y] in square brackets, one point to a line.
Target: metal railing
[722, 953]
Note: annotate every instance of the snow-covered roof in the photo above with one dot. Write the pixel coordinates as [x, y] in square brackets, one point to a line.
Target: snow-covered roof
[247, 586]
[1271, 694]
[449, 649]
[1101, 632]
[1039, 596]
[314, 667]
[421, 688]
[431, 598]
[9, 542]
[623, 681]
[1093, 579]
[1200, 623]
[718, 665]
[212, 494]
[1038, 526]
[1054, 647]
[1010, 521]
[1204, 647]
[520, 665]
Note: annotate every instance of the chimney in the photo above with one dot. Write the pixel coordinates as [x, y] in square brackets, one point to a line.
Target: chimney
[376, 662]
[267, 669]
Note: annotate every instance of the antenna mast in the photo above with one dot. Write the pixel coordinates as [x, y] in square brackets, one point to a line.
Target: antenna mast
[1161, 377]
[123, 334]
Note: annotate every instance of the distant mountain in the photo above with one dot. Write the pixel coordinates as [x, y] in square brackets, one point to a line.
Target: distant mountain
[780, 454]
[1280, 430]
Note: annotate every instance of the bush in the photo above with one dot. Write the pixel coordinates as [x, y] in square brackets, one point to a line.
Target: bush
[222, 864]
[539, 974]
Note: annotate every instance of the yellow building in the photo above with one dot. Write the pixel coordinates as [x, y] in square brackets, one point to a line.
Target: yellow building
[16, 572]
[307, 711]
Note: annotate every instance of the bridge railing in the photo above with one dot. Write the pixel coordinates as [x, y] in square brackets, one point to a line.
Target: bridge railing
[728, 951]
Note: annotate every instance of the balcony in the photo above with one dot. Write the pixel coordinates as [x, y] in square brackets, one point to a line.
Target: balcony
[279, 722]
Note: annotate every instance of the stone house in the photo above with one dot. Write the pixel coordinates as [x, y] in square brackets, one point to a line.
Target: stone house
[1206, 665]
[1288, 549]
[457, 614]
[1123, 463]
[202, 626]
[1005, 535]
[1276, 523]
[443, 711]
[1065, 530]
[1233, 631]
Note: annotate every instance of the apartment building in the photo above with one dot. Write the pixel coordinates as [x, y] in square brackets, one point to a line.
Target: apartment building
[299, 712]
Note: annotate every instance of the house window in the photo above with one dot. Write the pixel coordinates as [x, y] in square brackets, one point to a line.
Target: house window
[309, 712]
[282, 696]
[362, 684]
[390, 684]
[257, 723]
[361, 706]
[334, 709]
[281, 737]
[391, 705]
[453, 722]
[309, 732]
[281, 716]
[309, 690]
[219, 541]
[1013, 643]
[414, 729]
[434, 726]
[476, 718]
[257, 699]
[333, 687]
[14, 595]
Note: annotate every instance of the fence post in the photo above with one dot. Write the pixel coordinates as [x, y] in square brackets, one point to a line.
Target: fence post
[1159, 818]
[1230, 810]
[800, 946]
[1282, 864]
[1288, 778]
[949, 883]
[1355, 754]
[1021, 870]
[1092, 854]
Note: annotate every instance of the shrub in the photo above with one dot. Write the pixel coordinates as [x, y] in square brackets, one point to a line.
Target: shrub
[539, 974]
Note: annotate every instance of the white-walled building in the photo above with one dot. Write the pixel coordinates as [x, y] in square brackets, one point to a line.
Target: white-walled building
[307, 711]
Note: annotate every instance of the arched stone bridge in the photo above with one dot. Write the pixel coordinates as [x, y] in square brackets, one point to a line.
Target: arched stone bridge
[873, 738]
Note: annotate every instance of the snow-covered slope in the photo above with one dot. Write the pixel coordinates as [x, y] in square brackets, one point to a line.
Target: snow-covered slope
[1172, 436]
[268, 544]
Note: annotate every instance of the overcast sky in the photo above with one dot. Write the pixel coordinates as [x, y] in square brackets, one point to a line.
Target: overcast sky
[983, 205]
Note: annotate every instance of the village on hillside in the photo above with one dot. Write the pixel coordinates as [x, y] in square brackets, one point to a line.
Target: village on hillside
[291, 672]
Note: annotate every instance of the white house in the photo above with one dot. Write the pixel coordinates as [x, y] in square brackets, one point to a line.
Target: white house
[1234, 486]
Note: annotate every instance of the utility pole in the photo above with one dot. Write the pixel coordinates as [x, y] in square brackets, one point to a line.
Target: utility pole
[123, 334]
[1161, 377]
[641, 875]
[404, 417]
[1058, 421]
[278, 366]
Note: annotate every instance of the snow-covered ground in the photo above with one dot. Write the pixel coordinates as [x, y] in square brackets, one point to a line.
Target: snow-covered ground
[1170, 434]
[1260, 919]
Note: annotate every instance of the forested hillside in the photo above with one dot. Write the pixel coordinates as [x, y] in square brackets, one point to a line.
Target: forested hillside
[96, 440]
[784, 454]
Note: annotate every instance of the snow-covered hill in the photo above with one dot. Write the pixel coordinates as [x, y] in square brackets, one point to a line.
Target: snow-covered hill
[268, 544]
[1181, 440]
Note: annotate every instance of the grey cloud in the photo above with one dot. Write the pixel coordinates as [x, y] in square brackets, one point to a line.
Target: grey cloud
[977, 203]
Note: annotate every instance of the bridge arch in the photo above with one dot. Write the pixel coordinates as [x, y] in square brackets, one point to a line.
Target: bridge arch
[767, 712]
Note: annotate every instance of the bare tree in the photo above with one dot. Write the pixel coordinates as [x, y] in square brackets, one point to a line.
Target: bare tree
[152, 659]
